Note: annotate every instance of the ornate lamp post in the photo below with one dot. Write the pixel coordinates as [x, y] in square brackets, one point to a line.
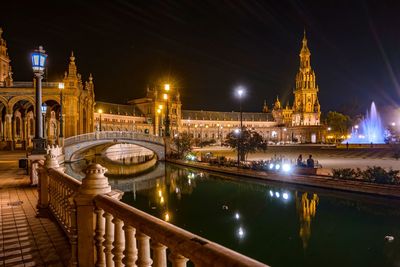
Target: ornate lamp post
[167, 120]
[61, 136]
[38, 65]
[100, 112]
[240, 93]
[44, 110]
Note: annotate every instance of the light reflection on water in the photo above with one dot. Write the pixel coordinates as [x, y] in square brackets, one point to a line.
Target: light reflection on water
[281, 226]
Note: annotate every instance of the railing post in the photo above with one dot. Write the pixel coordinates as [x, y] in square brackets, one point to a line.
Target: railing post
[177, 260]
[93, 184]
[51, 162]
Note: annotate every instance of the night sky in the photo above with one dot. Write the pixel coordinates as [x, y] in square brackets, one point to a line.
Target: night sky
[209, 47]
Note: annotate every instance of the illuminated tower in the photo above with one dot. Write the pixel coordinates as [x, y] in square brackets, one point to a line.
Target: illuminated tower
[306, 108]
[5, 67]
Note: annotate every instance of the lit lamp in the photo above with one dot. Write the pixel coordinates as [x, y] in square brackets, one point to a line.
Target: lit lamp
[240, 94]
[100, 112]
[61, 136]
[167, 120]
[44, 110]
[38, 65]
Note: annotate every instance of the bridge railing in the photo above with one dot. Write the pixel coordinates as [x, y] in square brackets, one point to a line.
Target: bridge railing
[106, 232]
[110, 135]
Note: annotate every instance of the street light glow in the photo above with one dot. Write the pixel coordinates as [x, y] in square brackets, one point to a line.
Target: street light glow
[100, 111]
[61, 86]
[165, 96]
[166, 87]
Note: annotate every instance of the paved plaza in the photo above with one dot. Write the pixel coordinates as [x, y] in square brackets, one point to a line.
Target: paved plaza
[328, 157]
[27, 238]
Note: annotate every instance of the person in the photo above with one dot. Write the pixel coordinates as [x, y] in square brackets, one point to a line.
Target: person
[347, 145]
[310, 162]
[300, 161]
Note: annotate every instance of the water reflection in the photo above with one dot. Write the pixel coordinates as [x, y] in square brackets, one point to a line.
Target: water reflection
[306, 207]
[271, 222]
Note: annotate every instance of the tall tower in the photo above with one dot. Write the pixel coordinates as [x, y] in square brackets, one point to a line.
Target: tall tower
[306, 108]
[5, 67]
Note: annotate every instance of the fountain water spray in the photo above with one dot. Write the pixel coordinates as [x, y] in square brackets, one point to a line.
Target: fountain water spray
[369, 131]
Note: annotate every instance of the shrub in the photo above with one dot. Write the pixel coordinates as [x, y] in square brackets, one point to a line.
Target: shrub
[380, 176]
[345, 173]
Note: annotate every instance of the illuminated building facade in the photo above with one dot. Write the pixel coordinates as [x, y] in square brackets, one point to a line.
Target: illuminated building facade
[299, 123]
[17, 104]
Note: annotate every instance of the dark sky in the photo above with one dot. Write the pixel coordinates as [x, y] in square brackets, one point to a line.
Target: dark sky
[209, 47]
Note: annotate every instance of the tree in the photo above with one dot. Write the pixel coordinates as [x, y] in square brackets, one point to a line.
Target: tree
[250, 142]
[183, 144]
[339, 123]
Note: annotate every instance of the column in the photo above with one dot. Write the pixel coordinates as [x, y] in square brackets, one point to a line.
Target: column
[93, 184]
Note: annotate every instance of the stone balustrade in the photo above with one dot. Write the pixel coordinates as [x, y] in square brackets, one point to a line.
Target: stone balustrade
[106, 232]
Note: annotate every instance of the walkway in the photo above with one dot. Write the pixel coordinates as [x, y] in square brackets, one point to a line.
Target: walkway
[26, 238]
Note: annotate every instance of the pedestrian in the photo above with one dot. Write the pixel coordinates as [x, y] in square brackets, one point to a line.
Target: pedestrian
[300, 161]
[310, 162]
[347, 145]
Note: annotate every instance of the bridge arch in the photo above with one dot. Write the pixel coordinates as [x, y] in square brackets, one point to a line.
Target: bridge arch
[77, 144]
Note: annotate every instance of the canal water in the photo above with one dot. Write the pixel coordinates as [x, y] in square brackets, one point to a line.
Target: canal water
[278, 224]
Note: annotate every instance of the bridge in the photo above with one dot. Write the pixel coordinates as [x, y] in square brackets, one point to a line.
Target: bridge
[75, 145]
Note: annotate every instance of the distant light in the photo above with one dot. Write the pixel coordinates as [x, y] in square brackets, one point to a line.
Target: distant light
[240, 92]
[285, 196]
[100, 111]
[160, 106]
[241, 232]
[189, 182]
[165, 96]
[277, 167]
[329, 128]
[177, 190]
[159, 193]
[271, 166]
[166, 87]
[61, 86]
[166, 217]
[356, 126]
[162, 200]
[284, 129]
[44, 108]
[393, 124]
[286, 167]
[237, 216]
[237, 131]
[271, 193]
[277, 194]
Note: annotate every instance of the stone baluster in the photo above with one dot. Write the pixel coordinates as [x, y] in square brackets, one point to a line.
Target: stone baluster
[93, 184]
[144, 259]
[159, 255]
[130, 252]
[73, 233]
[108, 239]
[99, 238]
[51, 162]
[119, 242]
[177, 260]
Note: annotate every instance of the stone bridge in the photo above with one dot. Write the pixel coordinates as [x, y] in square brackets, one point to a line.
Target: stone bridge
[79, 143]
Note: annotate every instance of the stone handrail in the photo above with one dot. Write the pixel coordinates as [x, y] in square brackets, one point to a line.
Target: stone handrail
[56, 193]
[103, 231]
[110, 135]
[123, 236]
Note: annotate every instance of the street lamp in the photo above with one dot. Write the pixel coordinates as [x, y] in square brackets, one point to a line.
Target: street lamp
[61, 136]
[167, 120]
[100, 112]
[44, 109]
[240, 94]
[38, 65]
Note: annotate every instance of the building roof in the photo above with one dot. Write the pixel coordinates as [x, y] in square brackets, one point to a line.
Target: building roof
[118, 109]
[225, 116]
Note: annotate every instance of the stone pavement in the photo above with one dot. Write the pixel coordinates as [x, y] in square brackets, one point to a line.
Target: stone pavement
[26, 237]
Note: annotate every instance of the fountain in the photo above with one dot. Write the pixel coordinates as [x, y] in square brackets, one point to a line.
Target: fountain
[369, 131]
